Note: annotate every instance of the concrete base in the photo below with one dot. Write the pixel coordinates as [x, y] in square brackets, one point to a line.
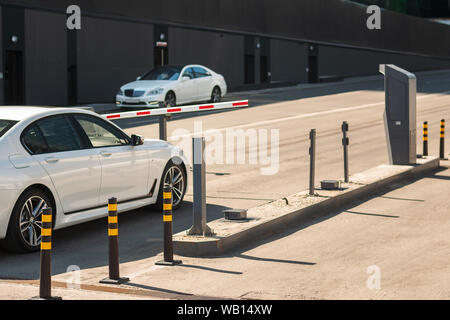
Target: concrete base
[49, 298]
[276, 216]
[168, 263]
[114, 281]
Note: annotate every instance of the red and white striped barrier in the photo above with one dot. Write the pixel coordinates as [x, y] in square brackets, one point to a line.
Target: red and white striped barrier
[165, 111]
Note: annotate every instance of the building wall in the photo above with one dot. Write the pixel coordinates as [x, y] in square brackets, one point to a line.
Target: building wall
[223, 53]
[45, 58]
[111, 53]
[288, 61]
[353, 62]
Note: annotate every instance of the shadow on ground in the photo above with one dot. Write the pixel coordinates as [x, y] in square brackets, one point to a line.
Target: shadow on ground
[86, 245]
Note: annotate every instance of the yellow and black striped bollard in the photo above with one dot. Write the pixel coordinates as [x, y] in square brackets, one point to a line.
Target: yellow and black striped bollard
[45, 279]
[442, 137]
[113, 236]
[167, 220]
[425, 138]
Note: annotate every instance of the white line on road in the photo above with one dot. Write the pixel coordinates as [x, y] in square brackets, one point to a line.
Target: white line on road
[305, 115]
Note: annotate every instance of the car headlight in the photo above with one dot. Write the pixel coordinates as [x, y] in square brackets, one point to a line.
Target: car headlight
[154, 92]
[120, 92]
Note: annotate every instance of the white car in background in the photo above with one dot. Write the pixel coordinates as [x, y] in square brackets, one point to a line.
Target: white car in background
[74, 161]
[172, 85]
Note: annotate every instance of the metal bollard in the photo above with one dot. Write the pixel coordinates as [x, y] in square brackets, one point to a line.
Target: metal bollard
[199, 181]
[45, 279]
[345, 142]
[113, 238]
[167, 219]
[312, 158]
[163, 126]
[425, 138]
[442, 137]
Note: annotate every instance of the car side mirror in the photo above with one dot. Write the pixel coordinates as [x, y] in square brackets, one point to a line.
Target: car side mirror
[184, 78]
[137, 140]
[138, 78]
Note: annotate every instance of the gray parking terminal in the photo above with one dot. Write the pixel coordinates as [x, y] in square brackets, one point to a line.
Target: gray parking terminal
[400, 114]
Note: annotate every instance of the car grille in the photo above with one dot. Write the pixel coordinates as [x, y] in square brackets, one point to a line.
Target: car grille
[134, 103]
[134, 93]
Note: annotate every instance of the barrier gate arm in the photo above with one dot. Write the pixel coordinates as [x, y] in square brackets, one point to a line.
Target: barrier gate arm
[176, 110]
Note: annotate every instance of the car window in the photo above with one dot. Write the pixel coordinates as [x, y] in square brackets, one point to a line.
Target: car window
[59, 134]
[162, 73]
[201, 72]
[100, 133]
[5, 125]
[34, 141]
[188, 73]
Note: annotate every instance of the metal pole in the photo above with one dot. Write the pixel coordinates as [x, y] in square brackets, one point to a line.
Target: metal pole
[45, 279]
[345, 143]
[163, 127]
[199, 181]
[312, 157]
[113, 244]
[425, 138]
[442, 137]
[167, 220]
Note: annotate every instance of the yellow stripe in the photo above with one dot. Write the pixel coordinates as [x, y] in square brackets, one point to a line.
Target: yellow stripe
[46, 245]
[167, 218]
[425, 126]
[112, 207]
[46, 218]
[442, 135]
[113, 232]
[112, 219]
[46, 232]
[167, 195]
[167, 206]
[425, 138]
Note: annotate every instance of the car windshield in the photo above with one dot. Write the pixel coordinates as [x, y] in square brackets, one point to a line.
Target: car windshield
[5, 125]
[162, 73]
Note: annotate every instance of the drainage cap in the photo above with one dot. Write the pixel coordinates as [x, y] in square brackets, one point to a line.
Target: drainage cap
[330, 184]
[235, 214]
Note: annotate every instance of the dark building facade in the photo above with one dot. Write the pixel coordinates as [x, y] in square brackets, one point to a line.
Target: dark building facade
[253, 43]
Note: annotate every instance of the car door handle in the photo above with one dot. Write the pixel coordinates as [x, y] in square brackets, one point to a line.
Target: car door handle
[106, 153]
[51, 160]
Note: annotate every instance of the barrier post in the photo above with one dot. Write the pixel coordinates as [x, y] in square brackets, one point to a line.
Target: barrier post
[199, 181]
[312, 160]
[45, 279]
[442, 137]
[425, 138]
[163, 126]
[113, 241]
[167, 220]
[345, 142]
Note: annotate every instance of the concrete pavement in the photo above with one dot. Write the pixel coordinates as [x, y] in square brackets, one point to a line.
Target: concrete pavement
[243, 186]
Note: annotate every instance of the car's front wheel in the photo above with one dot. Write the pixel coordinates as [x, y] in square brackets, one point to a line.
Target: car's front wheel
[173, 175]
[170, 100]
[24, 229]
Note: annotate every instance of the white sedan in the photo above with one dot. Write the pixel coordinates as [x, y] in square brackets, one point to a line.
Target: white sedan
[172, 85]
[73, 161]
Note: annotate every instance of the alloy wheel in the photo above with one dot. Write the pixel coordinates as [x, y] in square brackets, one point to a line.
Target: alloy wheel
[175, 179]
[30, 223]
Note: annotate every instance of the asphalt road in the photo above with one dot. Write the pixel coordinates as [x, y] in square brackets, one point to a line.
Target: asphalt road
[292, 111]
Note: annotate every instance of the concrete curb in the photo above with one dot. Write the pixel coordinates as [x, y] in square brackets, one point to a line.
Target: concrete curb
[218, 245]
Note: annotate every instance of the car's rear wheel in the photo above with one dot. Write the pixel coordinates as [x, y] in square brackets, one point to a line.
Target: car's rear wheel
[216, 95]
[24, 229]
[173, 175]
[170, 100]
